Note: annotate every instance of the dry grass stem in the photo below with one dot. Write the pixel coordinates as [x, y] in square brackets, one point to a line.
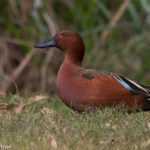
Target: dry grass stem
[5, 84]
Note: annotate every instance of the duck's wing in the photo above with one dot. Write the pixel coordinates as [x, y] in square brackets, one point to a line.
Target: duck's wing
[145, 86]
[135, 88]
[130, 85]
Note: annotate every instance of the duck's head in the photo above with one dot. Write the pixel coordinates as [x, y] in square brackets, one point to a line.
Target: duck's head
[68, 41]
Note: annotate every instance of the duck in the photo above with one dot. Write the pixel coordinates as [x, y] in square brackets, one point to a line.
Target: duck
[87, 89]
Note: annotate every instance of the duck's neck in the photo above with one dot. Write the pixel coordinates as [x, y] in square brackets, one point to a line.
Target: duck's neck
[73, 61]
[69, 68]
[67, 72]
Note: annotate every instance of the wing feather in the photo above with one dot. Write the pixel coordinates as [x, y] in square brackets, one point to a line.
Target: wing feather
[132, 86]
[136, 88]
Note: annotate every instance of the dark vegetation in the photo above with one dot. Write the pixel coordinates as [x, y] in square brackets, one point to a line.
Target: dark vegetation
[116, 34]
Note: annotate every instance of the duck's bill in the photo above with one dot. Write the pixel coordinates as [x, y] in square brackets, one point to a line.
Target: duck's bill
[49, 43]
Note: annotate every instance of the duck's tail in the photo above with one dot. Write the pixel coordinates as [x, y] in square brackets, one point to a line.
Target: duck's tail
[140, 90]
[145, 104]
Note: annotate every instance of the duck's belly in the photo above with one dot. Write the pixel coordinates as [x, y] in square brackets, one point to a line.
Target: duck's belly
[81, 94]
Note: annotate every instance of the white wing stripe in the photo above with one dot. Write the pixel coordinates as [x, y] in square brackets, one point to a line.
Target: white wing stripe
[140, 87]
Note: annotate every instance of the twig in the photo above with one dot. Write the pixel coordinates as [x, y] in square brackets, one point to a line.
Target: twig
[4, 58]
[5, 84]
[105, 33]
[14, 8]
[15, 41]
[52, 26]
[53, 29]
[115, 19]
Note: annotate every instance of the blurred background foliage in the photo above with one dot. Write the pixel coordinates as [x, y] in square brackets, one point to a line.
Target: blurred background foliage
[116, 35]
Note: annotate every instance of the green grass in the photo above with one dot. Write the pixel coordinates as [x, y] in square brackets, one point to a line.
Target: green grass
[105, 129]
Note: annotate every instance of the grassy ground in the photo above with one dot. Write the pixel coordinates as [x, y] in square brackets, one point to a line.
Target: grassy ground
[49, 124]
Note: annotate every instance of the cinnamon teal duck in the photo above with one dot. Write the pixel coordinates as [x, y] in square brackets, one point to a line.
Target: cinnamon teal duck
[82, 89]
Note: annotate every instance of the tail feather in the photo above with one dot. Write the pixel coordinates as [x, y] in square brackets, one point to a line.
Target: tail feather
[145, 104]
[146, 87]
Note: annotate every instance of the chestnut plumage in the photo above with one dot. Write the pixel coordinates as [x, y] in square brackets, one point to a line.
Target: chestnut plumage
[82, 89]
